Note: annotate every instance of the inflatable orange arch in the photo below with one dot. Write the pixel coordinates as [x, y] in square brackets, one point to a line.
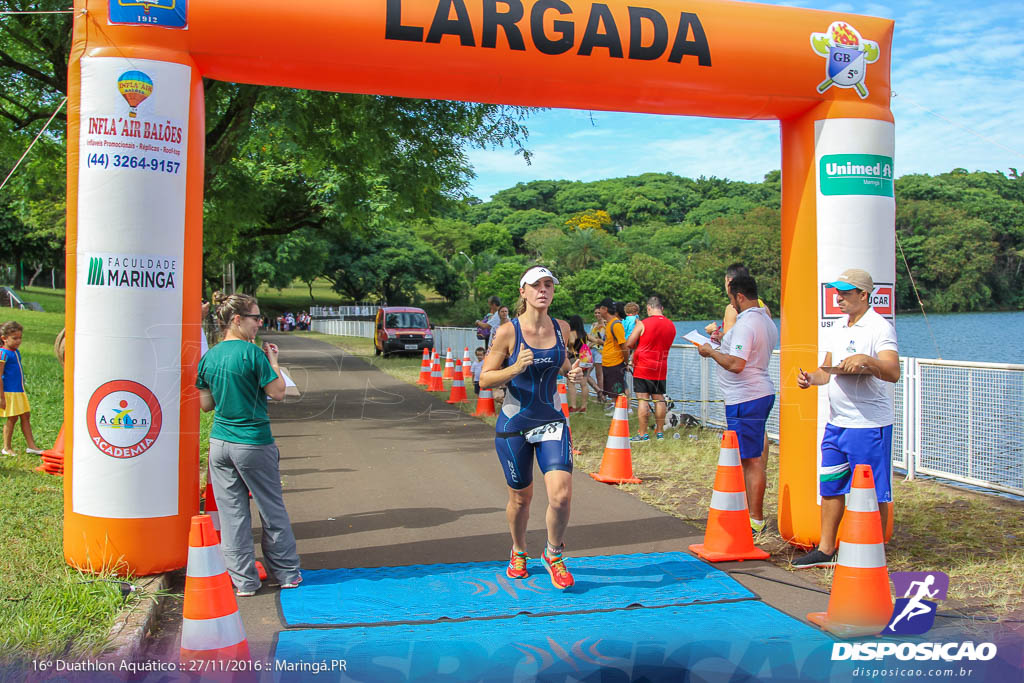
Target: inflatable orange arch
[135, 189]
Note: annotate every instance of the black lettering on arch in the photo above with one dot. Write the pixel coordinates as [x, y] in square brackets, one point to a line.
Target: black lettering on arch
[393, 29]
[507, 20]
[459, 26]
[698, 47]
[566, 28]
[592, 37]
[637, 50]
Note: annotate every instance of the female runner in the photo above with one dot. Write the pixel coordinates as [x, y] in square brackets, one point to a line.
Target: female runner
[527, 355]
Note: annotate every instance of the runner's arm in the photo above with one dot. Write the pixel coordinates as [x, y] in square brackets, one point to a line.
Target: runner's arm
[492, 374]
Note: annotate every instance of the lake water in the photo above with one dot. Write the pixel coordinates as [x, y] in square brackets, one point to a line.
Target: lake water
[988, 337]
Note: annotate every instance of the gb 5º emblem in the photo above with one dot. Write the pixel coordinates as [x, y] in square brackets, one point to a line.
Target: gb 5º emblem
[847, 56]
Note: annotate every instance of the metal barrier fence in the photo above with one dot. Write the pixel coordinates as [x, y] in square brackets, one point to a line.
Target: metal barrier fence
[343, 311]
[344, 328]
[954, 420]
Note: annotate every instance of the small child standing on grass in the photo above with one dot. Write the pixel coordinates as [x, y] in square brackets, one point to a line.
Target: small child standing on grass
[13, 400]
[475, 368]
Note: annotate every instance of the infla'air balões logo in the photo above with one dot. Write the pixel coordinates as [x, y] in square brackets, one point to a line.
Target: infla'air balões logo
[135, 87]
[847, 56]
[123, 418]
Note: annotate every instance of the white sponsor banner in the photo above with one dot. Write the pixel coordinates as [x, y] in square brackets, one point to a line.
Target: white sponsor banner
[856, 220]
[131, 234]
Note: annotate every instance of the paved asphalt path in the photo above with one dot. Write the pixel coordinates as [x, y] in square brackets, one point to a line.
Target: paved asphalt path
[379, 473]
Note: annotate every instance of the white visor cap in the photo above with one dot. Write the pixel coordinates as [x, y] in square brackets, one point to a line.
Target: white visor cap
[533, 275]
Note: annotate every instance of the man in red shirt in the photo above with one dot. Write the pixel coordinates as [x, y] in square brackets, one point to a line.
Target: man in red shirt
[652, 338]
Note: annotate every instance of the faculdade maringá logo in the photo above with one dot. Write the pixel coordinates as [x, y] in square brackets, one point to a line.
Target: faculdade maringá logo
[847, 56]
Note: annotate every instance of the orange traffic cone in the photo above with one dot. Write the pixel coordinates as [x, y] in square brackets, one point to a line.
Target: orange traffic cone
[424, 379]
[53, 458]
[458, 393]
[449, 366]
[436, 383]
[484, 403]
[211, 627]
[617, 463]
[467, 371]
[210, 506]
[860, 603]
[211, 511]
[563, 397]
[728, 535]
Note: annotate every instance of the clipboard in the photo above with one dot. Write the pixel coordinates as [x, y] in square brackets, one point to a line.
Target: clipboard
[838, 370]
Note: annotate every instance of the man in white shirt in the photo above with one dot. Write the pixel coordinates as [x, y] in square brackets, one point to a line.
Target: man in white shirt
[860, 396]
[489, 321]
[747, 387]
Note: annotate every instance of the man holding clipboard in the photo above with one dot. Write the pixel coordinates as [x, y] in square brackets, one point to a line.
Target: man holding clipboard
[862, 356]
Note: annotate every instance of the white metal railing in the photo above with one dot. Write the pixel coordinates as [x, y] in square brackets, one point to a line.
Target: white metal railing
[361, 310]
[954, 420]
[344, 328]
[457, 339]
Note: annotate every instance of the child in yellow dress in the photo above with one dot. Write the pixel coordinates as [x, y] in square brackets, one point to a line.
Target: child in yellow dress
[13, 400]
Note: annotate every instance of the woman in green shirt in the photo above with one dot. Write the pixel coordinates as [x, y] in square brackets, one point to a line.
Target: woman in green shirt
[235, 377]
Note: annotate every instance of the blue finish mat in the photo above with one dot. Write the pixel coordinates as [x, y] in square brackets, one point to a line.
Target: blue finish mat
[738, 641]
[454, 591]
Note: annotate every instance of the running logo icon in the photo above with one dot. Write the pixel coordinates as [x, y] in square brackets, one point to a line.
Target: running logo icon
[914, 613]
[847, 56]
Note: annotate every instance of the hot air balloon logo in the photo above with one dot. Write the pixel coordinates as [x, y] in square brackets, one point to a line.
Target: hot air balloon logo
[135, 87]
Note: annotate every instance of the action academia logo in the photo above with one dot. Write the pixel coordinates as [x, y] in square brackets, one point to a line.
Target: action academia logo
[124, 418]
[847, 56]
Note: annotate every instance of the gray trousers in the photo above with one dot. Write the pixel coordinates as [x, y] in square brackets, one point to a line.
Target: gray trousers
[235, 470]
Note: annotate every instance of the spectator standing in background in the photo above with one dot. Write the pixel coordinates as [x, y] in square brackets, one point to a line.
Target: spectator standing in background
[489, 322]
[747, 386]
[652, 338]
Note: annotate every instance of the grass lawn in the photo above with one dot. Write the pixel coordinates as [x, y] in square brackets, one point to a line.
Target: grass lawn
[974, 537]
[47, 609]
[295, 297]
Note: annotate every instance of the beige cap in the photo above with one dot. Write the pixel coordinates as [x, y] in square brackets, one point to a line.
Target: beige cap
[854, 278]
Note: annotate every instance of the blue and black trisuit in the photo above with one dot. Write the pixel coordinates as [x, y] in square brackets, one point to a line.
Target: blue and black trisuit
[530, 423]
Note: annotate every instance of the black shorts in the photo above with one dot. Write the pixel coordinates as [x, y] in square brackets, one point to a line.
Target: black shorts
[652, 387]
[614, 377]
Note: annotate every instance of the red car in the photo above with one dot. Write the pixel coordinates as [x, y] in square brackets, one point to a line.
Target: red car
[401, 329]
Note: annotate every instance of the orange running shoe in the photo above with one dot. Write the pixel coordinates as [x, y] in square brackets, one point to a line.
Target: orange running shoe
[560, 576]
[517, 565]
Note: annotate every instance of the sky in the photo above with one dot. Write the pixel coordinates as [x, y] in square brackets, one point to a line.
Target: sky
[959, 103]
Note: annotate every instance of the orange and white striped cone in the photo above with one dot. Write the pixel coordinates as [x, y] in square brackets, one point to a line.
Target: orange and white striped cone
[424, 378]
[860, 603]
[467, 370]
[617, 463]
[436, 382]
[210, 506]
[53, 458]
[563, 397]
[211, 627]
[458, 393]
[211, 511]
[449, 366]
[484, 403]
[728, 536]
